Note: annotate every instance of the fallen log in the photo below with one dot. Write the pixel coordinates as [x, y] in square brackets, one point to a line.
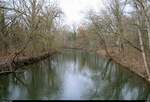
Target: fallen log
[9, 67]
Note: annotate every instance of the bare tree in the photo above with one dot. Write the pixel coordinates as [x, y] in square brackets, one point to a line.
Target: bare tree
[28, 24]
[116, 10]
[139, 28]
[144, 12]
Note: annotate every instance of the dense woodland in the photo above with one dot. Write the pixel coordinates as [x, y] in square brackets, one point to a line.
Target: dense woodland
[121, 30]
[28, 25]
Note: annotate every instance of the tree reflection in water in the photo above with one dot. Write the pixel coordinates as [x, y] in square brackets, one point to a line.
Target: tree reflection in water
[74, 75]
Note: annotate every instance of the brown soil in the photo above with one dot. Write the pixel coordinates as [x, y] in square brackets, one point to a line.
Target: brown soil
[131, 58]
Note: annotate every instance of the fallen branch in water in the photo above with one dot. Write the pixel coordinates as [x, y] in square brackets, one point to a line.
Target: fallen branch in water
[8, 72]
[20, 62]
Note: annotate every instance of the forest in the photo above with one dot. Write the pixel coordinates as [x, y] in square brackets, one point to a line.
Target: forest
[34, 28]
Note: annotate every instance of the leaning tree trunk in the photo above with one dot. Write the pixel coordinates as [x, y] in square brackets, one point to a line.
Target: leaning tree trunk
[140, 37]
[143, 54]
[148, 32]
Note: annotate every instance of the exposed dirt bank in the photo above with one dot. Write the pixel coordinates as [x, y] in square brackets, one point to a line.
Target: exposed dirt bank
[131, 59]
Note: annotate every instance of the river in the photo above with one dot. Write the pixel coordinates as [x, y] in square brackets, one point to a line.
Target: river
[73, 75]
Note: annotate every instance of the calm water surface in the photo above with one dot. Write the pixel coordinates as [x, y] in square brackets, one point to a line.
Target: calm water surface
[73, 75]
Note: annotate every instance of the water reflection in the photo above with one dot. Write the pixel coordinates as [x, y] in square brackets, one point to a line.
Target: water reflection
[74, 75]
[74, 80]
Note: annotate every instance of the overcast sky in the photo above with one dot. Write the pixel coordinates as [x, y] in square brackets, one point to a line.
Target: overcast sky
[75, 9]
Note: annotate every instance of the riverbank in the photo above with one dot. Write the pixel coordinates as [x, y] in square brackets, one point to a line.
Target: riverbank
[8, 65]
[130, 59]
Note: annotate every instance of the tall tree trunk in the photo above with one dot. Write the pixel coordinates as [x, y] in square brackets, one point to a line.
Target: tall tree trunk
[144, 7]
[3, 35]
[147, 20]
[138, 21]
[148, 32]
[119, 16]
[143, 54]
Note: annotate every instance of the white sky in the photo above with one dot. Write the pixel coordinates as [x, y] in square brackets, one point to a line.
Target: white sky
[75, 9]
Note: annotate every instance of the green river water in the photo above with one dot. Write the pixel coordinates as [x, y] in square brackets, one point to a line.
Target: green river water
[73, 75]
